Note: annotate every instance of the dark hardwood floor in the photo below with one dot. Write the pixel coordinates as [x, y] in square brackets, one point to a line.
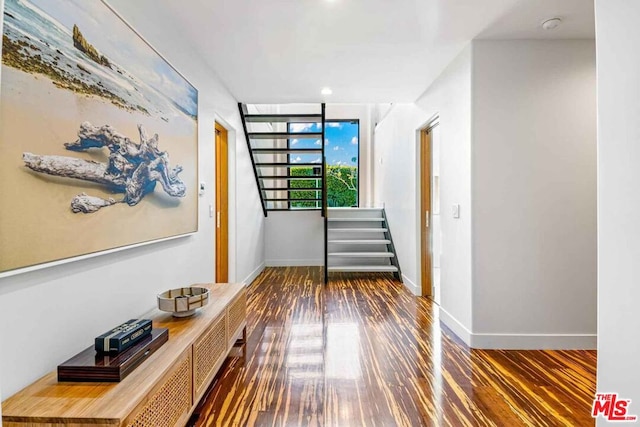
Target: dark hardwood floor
[363, 351]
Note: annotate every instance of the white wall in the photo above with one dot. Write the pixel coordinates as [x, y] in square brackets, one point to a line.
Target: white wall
[517, 123]
[534, 194]
[62, 308]
[617, 35]
[397, 185]
[294, 239]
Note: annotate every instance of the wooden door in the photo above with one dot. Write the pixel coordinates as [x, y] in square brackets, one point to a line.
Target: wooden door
[425, 210]
[222, 211]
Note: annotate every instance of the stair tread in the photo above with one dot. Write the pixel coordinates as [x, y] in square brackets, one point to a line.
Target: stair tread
[284, 135]
[293, 200]
[355, 209]
[362, 254]
[364, 268]
[362, 241]
[287, 150]
[355, 219]
[290, 189]
[290, 178]
[283, 118]
[292, 209]
[360, 230]
[287, 165]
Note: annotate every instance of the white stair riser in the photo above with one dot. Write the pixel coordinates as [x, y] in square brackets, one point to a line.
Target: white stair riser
[362, 254]
[364, 220]
[354, 213]
[343, 228]
[365, 268]
[344, 262]
[356, 235]
[356, 248]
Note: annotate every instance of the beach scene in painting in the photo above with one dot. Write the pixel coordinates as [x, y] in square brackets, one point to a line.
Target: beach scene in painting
[98, 135]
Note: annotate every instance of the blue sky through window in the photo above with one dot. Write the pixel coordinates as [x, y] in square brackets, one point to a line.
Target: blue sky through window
[341, 143]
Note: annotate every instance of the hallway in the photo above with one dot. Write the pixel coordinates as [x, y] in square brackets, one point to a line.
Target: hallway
[364, 351]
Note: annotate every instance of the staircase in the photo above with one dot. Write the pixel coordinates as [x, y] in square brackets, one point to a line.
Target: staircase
[275, 150]
[359, 240]
[288, 158]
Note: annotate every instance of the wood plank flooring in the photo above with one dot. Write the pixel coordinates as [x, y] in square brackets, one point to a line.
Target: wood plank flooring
[363, 351]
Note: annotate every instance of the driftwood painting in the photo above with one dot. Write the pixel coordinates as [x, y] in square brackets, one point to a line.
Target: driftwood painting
[132, 169]
[98, 135]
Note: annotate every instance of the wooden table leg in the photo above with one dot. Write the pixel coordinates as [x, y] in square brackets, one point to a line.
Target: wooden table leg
[243, 343]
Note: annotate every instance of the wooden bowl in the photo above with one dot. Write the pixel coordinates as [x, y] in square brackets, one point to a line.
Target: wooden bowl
[183, 302]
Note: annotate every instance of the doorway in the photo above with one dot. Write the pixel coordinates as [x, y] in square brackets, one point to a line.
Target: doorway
[222, 205]
[431, 232]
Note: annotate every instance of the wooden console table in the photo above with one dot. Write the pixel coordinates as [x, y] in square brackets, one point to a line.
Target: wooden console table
[163, 391]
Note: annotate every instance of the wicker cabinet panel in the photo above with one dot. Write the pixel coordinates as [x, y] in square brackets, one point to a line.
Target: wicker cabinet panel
[236, 315]
[170, 404]
[208, 352]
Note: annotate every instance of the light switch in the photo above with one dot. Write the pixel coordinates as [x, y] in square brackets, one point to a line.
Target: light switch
[201, 188]
[210, 211]
[456, 211]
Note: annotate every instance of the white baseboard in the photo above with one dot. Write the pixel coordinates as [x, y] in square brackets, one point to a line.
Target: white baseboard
[456, 327]
[534, 341]
[294, 262]
[518, 341]
[413, 288]
[252, 276]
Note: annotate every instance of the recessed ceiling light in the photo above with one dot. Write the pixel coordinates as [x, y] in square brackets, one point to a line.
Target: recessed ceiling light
[551, 24]
[326, 91]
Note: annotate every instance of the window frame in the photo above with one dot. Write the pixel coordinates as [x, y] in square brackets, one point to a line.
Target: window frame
[350, 121]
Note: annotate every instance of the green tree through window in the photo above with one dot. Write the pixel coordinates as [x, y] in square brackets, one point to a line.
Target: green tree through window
[342, 141]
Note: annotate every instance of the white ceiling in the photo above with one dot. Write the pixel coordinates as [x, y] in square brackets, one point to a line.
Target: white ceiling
[279, 51]
[524, 19]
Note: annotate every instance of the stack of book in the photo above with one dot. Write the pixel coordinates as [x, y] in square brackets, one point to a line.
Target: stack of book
[124, 336]
[115, 354]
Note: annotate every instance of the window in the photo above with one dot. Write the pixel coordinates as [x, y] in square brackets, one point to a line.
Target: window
[341, 144]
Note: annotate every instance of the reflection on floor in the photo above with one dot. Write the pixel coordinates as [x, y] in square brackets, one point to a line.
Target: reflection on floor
[364, 352]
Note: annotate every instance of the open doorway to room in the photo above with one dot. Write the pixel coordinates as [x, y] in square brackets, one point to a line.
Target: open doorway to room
[222, 204]
[431, 232]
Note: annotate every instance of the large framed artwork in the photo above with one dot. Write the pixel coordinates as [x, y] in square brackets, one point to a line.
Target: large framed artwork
[98, 136]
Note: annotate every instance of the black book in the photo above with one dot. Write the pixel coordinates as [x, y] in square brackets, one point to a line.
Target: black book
[123, 336]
